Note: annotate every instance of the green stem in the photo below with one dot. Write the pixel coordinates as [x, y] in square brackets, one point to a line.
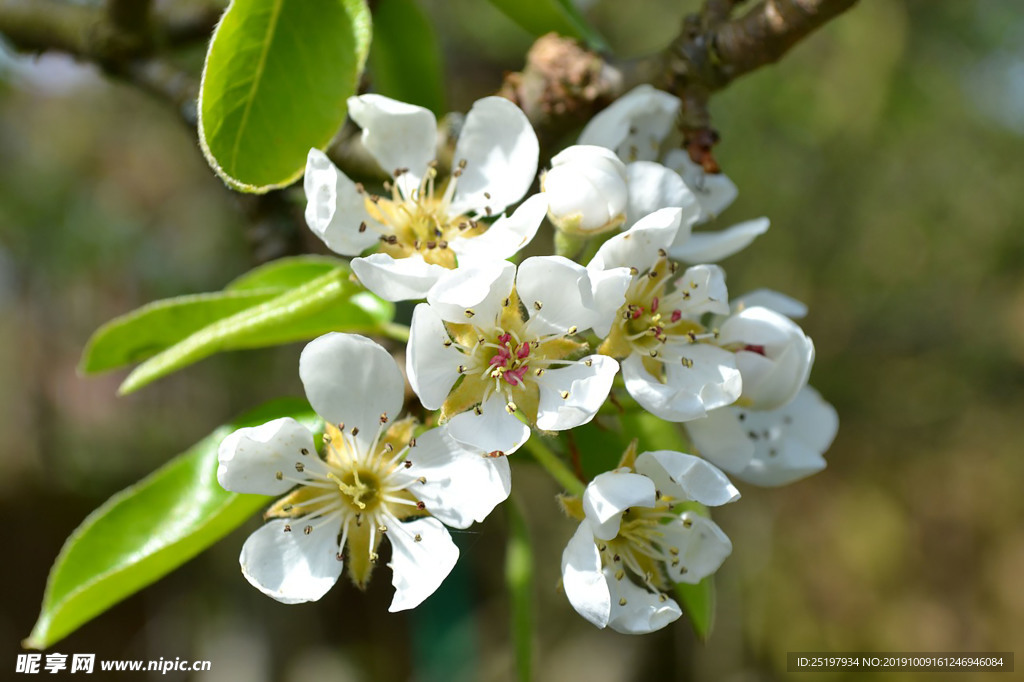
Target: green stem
[558, 469]
[394, 330]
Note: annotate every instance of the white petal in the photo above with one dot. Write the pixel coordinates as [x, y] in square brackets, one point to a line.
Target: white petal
[788, 442]
[419, 566]
[634, 125]
[433, 367]
[249, 458]
[292, 567]
[702, 547]
[708, 293]
[720, 438]
[399, 135]
[652, 187]
[688, 392]
[638, 247]
[813, 420]
[636, 611]
[714, 191]
[587, 190]
[791, 461]
[586, 386]
[474, 293]
[334, 209]
[493, 429]
[500, 150]
[557, 294]
[462, 486]
[584, 583]
[686, 477]
[778, 358]
[397, 280]
[708, 247]
[773, 300]
[506, 236]
[352, 380]
[611, 493]
[609, 294]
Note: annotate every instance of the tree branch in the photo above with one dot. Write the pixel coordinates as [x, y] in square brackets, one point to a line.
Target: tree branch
[713, 50]
[120, 31]
[563, 85]
[768, 31]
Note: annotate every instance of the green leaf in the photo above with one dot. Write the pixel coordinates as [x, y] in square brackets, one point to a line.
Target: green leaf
[275, 83]
[698, 601]
[162, 325]
[159, 325]
[330, 302]
[147, 530]
[285, 273]
[544, 16]
[600, 444]
[405, 59]
[653, 433]
[519, 579]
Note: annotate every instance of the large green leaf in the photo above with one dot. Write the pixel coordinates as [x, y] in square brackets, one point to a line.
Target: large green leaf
[405, 59]
[698, 601]
[331, 302]
[290, 299]
[147, 530]
[519, 578]
[284, 273]
[544, 16]
[159, 325]
[275, 83]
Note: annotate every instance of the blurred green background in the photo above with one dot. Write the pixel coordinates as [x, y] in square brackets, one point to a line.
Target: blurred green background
[887, 150]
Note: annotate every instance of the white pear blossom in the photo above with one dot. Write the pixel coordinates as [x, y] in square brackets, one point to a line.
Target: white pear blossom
[374, 480]
[633, 543]
[425, 228]
[773, 355]
[586, 189]
[769, 447]
[493, 344]
[673, 365]
[640, 128]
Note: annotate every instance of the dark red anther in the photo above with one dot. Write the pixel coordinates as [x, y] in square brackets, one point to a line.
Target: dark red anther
[637, 312]
[515, 376]
[677, 315]
[754, 349]
[654, 304]
[524, 350]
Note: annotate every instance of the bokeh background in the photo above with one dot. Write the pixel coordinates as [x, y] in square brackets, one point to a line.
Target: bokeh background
[887, 150]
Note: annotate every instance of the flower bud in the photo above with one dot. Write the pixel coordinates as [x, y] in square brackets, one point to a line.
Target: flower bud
[587, 190]
[773, 354]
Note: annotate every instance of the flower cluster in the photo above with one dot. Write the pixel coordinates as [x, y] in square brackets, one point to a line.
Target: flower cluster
[499, 353]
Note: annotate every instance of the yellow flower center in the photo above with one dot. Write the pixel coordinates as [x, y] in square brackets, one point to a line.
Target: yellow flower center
[420, 223]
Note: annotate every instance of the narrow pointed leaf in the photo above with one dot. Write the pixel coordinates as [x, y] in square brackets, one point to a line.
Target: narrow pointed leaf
[147, 530]
[544, 16]
[162, 325]
[157, 326]
[405, 58]
[330, 302]
[275, 81]
[285, 273]
[698, 601]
